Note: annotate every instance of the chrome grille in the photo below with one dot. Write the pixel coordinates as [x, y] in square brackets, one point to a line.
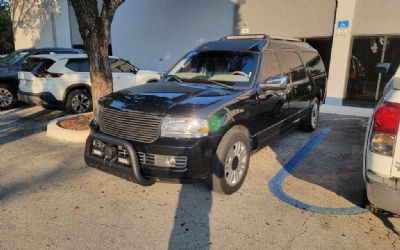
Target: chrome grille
[130, 125]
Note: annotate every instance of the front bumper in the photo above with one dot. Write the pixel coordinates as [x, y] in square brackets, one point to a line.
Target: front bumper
[383, 193]
[198, 152]
[40, 99]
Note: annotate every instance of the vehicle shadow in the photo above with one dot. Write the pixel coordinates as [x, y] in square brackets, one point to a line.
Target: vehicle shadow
[336, 163]
[30, 121]
[191, 222]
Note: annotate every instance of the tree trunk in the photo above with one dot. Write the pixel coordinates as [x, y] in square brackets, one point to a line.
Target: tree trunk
[95, 27]
[100, 71]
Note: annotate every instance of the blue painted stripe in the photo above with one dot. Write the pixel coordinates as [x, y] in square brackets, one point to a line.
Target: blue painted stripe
[275, 185]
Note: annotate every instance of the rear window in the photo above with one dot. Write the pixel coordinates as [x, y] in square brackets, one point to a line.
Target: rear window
[37, 64]
[313, 62]
[78, 65]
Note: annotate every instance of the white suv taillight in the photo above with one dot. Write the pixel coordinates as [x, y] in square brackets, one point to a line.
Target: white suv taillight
[46, 74]
[385, 128]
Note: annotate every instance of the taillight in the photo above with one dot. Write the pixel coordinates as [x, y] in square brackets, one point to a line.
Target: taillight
[46, 74]
[385, 128]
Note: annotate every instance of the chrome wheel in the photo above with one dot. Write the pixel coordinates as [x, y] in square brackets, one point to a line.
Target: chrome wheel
[236, 163]
[80, 103]
[314, 115]
[6, 98]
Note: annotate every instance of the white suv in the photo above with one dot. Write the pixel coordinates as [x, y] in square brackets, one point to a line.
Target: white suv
[382, 151]
[63, 80]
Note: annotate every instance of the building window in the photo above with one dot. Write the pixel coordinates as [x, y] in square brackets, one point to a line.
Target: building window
[365, 83]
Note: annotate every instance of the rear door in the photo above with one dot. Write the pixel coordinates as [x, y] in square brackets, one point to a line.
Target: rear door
[300, 83]
[124, 74]
[78, 71]
[316, 69]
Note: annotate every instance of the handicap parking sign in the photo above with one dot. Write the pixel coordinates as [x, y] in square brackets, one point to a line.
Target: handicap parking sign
[343, 24]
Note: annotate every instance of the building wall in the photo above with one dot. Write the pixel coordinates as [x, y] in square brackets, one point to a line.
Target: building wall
[375, 17]
[40, 23]
[155, 34]
[292, 18]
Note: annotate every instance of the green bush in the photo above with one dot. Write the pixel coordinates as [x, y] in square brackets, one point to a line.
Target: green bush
[6, 32]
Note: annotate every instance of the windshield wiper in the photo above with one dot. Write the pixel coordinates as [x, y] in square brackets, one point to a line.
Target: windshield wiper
[175, 77]
[216, 83]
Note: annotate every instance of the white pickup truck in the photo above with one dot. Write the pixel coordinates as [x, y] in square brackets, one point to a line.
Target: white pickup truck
[382, 151]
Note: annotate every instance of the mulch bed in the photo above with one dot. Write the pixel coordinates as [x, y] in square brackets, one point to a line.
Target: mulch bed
[79, 122]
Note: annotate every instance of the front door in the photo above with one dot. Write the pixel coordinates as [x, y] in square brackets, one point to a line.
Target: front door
[274, 115]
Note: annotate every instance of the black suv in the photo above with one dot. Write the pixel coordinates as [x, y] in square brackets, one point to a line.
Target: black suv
[219, 103]
[12, 63]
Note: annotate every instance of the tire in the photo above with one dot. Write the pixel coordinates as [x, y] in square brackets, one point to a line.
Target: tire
[311, 121]
[8, 97]
[79, 101]
[231, 160]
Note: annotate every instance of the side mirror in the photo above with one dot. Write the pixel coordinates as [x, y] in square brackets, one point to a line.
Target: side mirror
[382, 68]
[275, 83]
[163, 74]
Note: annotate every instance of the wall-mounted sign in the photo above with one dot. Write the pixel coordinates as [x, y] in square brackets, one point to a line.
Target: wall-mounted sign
[245, 31]
[343, 27]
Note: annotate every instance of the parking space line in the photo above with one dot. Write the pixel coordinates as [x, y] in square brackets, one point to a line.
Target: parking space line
[275, 184]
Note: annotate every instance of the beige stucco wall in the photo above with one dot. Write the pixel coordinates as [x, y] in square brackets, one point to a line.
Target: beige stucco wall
[375, 17]
[155, 34]
[40, 23]
[293, 18]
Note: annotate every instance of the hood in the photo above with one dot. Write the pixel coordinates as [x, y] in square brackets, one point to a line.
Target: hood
[170, 98]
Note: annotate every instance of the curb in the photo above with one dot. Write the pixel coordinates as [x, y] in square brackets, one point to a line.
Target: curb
[56, 132]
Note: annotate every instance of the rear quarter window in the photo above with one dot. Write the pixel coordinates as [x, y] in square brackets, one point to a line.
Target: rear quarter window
[291, 65]
[78, 65]
[313, 63]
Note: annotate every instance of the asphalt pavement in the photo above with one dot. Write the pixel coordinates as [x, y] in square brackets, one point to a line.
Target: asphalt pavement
[49, 198]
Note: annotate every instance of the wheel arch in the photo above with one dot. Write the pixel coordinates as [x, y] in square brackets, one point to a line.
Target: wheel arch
[74, 87]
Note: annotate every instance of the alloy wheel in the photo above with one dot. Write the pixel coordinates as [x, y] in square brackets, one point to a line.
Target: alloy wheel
[6, 98]
[80, 103]
[236, 163]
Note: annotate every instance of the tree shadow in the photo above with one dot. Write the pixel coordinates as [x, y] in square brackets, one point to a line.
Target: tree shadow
[191, 222]
[29, 124]
[30, 16]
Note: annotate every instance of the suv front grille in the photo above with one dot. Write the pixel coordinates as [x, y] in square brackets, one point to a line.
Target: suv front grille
[130, 125]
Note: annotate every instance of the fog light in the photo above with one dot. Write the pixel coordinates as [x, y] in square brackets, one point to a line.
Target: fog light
[170, 161]
[97, 152]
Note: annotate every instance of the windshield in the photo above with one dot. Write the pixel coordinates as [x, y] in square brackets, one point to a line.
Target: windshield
[231, 68]
[13, 57]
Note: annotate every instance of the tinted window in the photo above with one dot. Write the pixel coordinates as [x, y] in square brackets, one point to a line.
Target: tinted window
[78, 65]
[37, 64]
[121, 66]
[270, 65]
[313, 62]
[292, 65]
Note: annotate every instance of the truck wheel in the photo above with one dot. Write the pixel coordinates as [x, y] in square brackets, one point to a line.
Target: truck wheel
[231, 162]
[79, 101]
[8, 97]
[311, 121]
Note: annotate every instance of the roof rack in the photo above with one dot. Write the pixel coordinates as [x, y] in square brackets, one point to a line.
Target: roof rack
[285, 39]
[251, 36]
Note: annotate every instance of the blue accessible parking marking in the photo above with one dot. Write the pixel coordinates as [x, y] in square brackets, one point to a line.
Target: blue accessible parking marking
[275, 185]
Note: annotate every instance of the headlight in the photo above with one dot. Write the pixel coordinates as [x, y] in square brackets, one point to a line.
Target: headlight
[97, 112]
[184, 127]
